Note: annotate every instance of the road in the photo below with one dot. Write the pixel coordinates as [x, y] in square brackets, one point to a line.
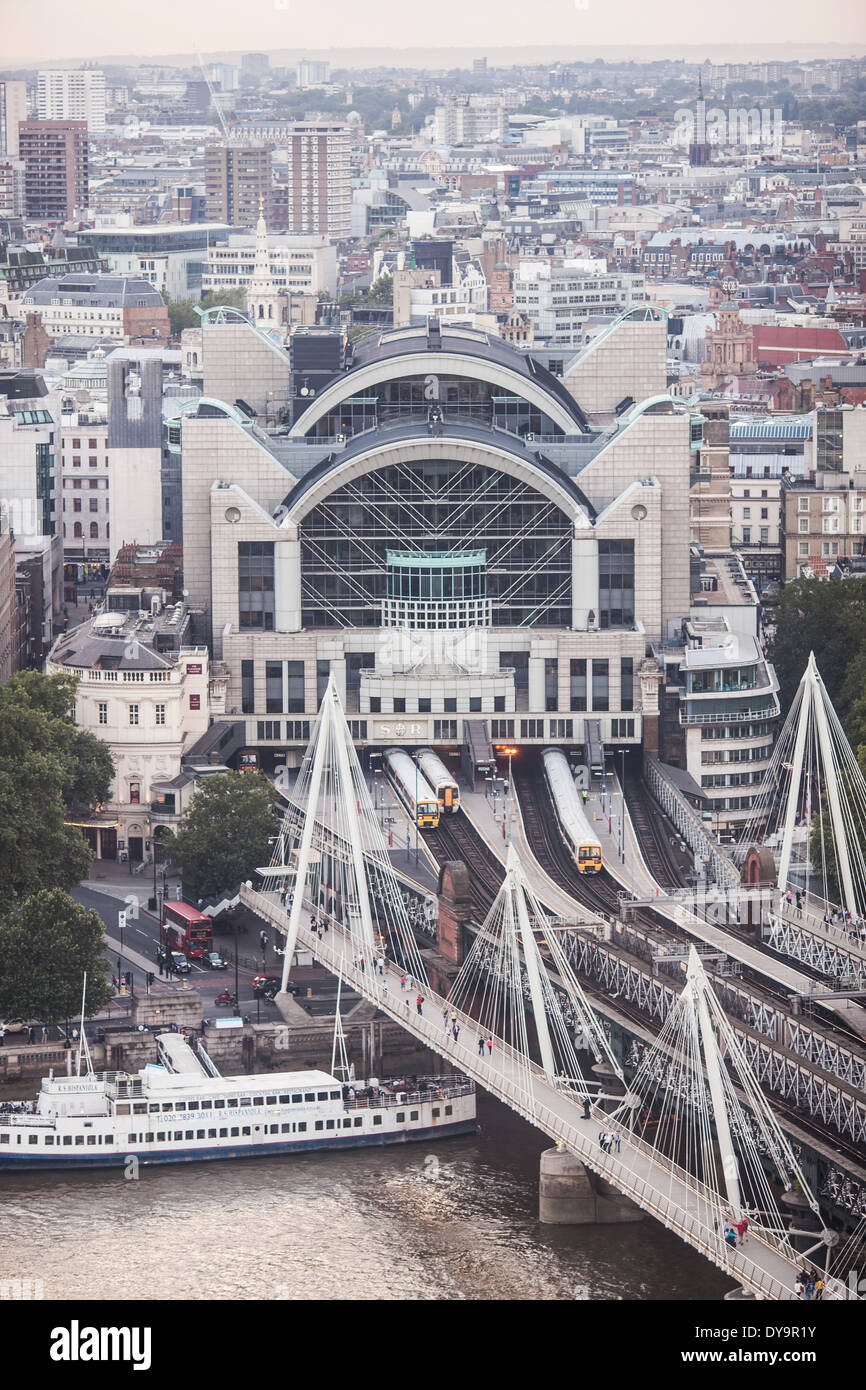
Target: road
[138, 954]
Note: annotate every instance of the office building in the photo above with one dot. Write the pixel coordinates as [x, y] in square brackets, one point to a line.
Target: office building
[55, 169]
[13, 110]
[118, 307]
[255, 64]
[320, 193]
[64, 95]
[237, 183]
[313, 74]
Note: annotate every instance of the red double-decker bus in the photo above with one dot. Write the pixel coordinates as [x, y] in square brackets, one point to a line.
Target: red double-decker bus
[186, 929]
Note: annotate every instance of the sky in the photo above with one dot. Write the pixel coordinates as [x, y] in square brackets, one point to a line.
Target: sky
[37, 30]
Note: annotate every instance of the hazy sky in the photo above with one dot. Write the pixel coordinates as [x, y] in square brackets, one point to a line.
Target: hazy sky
[31, 30]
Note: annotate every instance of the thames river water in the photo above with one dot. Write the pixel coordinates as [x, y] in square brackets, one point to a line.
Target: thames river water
[452, 1220]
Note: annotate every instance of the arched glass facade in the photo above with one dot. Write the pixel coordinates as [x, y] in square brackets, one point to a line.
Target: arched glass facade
[436, 506]
[458, 398]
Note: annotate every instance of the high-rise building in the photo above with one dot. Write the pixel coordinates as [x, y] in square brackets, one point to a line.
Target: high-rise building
[11, 188]
[13, 108]
[313, 74]
[320, 193]
[479, 66]
[73, 96]
[255, 64]
[55, 168]
[237, 183]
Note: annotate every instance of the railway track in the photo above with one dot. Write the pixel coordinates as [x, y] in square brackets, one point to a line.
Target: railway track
[457, 838]
[655, 832]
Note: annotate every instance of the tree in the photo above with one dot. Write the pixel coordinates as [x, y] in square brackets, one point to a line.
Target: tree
[47, 765]
[182, 312]
[46, 948]
[224, 835]
[829, 619]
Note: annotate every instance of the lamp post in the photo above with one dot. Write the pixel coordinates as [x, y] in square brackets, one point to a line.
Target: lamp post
[622, 816]
[510, 811]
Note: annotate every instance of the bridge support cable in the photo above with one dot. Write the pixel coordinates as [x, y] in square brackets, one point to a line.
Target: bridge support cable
[696, 1099]
[811, 808]
[505, 972]
[331, 848]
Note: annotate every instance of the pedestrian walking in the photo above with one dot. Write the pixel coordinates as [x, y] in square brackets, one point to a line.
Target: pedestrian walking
[617, 1143]
[742, 1228]
[402, 981]
[420, 1004]
[407, 1008]
[489, 1046]
[456, 1031]
[409, 983]
[586, 1105]
[480, 1047]
[361, 963]
[601, 1138]
[445, 1019]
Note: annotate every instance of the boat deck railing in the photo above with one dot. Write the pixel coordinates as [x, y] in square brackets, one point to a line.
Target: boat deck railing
[46, 1121]
[389, 1099]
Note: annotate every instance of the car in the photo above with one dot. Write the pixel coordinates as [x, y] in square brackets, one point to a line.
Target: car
[266, 986]
[178, 962]
[212, 960]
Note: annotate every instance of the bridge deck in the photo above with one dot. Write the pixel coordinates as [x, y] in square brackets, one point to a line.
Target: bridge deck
[765, 1264]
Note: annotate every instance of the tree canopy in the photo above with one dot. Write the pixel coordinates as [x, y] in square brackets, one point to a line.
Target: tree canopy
[828, 618]
[45, 949]
[47, 765]
[182, 312]
[224, 835]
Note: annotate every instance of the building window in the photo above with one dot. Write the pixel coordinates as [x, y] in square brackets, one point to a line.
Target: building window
[295, 696]
[270, 729]
[551, 683]
[445, 730]
[274, 687]
[615, 583]
[375, 704]
[102, 713]
[803, 524]
[600, 685]
[248, 693]
[256, 585]
[399, 704]
[532, 728]
[159, 714]
[561, 728]
[578, 683]
[449, 704]
[133, 714]
[424, 705]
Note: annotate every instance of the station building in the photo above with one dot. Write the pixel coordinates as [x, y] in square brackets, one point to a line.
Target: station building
[448, 526]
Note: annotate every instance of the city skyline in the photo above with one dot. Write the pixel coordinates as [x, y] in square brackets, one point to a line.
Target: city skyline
[92, 31]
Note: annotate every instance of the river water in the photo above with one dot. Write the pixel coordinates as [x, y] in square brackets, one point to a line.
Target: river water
[451, 1220]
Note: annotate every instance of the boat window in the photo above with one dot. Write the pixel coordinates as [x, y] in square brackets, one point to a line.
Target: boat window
[235, 1132]
[4, 1138]
[139, 1109]
[413, 1114]
[245, 1129]
[321, 1095]
[192, 1105]
[180, 1105]
[34, 1138]
[319, 1124]
[335, 1095]
[302, 1127]
[207, 1105]
[211, 1134]
[223, 1134]
[67, 1138]
[275, 1129]
[436, 1114]
[121, 1109]
[245, 1100]
[233, 1104]
[284, 1100]
[91, 1138]
[401, 1115]
[167, 1105]
[271, 1100]
[377, 1119]
[178, 1135]
[219, 1105]
[309, 1095]
[329, 1124]
[109, 1138]
[296, 1100]
[154, 1109]
[189, 1133]
[449, 1109]
[258, 1100]
[359, 1121]
[347, 1124]
[285, 1128]
[79, 1139]
[160, 1138]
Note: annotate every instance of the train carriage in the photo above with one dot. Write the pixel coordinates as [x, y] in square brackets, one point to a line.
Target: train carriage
[412, 787]
[576, 830]
[437, 775]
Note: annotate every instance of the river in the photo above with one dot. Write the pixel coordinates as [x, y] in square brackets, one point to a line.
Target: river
[453, 1220]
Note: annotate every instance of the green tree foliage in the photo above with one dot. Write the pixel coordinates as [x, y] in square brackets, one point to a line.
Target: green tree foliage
[182, 312]
[225, 834]
[829, 619]
[45, 949]
[46, 766]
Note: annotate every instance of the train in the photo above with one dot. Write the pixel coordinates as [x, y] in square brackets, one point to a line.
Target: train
[440, 779]
[575, 829]
[412, 787]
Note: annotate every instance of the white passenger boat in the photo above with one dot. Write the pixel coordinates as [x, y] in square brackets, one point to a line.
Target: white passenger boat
[181, 1110]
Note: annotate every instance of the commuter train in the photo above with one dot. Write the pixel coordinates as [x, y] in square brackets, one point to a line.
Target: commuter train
[412, 788]
[575, 829]
[440, 779]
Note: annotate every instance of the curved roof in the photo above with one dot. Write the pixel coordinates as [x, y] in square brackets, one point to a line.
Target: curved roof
[461, 443]
[406, 351]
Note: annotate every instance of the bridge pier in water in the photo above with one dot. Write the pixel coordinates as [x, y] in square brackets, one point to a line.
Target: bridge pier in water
[570, 1195]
